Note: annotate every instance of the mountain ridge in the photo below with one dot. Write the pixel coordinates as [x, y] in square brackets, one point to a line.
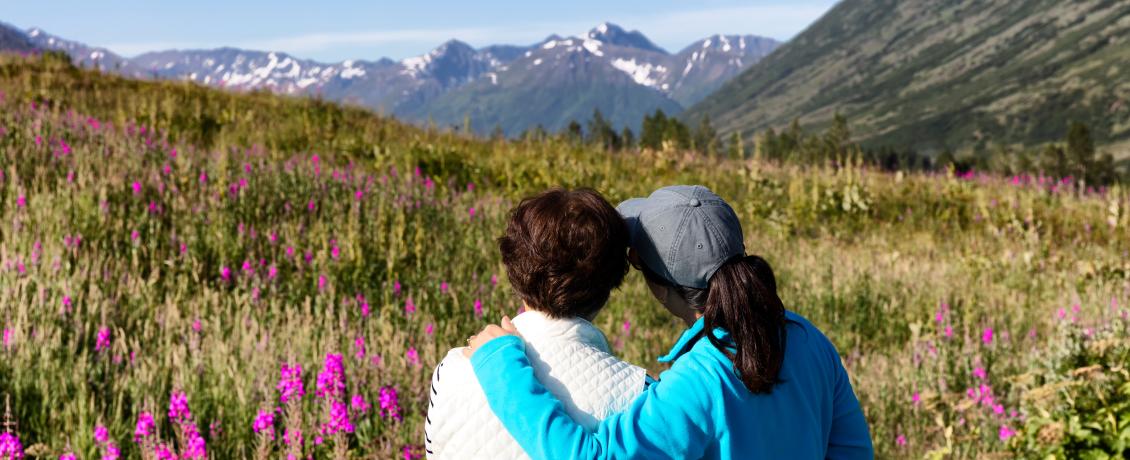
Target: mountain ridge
[433, 87]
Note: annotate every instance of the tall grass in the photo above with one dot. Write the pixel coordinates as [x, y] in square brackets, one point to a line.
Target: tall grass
[161, 238]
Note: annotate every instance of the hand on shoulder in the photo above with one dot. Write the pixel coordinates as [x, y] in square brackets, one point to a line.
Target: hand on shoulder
[490, 332]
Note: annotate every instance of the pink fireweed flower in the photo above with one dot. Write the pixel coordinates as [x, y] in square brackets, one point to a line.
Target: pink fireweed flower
[225, 273]
[21, 201]
[10, 447]
[949, 332]
[134, 235]
[335, 252]
[264, 423]
[196, 326]
[409, 306]
[358, 404]
[979, 373]
[390, 406]
[359, 348]
[68, 456]
[248, 267]
[627, 327]
[102, 342]
[145, 427]
[178, 407]
[101, 434]
[111, 452]
[915, 398]
[443, 287]
[900, 440]
[493, 280]
[412, 356]
[396, 288]
[478, 306]
[987, 336]
[137, 188]
[164, 452]
[338, 420]
[290, 383]
[430, 329]
[272, 272]
[322, 282]
[331, 381]
[203, 177]
[7, 338]
[361, 302]
[471, 212]
[310, 205]
[195, 447]
[1006, 432]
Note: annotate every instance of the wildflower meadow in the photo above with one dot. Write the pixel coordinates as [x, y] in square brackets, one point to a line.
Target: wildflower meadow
[190, 273]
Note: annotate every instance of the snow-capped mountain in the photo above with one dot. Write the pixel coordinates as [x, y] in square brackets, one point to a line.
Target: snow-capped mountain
[613, 34]
[14, 40]
[622, 73]
[81, 54]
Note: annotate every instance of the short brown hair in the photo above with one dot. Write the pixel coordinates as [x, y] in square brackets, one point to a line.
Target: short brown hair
[565, 251]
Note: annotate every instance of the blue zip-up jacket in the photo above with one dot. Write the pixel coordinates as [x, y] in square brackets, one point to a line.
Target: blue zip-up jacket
[697, 409]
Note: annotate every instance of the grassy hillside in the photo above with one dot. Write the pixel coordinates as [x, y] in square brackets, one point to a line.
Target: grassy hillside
[935, 75]
[148, 254]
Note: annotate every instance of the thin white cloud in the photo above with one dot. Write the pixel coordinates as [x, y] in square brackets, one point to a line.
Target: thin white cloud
[672, 30]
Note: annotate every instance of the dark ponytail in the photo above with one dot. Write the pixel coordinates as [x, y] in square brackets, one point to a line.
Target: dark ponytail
[742, 299]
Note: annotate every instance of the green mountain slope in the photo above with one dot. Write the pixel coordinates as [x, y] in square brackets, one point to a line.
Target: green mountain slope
[934, 74]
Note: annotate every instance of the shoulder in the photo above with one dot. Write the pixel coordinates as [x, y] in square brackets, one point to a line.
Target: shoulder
[455, 401]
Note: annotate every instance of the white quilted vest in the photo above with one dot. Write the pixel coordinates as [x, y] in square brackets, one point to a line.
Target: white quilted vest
[569, 356]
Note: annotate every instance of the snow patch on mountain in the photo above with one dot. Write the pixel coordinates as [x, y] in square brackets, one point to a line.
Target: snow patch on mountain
[644, 73]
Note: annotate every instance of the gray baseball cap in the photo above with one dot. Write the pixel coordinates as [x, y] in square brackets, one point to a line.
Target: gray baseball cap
[683, 233]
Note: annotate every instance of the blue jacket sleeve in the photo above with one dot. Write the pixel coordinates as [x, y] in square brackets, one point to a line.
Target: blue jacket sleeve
[663, 422]
[849, 438]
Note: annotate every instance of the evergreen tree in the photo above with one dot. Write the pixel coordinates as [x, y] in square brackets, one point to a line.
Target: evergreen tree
[601, 132]
[627, 138]
[770, 145]
[574, 132]
[737, 150]
[1055, 162]
[705, 137]
[651, 137]
[1080, 150]
[837, 138]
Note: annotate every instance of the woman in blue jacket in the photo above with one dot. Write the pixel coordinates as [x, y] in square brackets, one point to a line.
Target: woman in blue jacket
[748, 378]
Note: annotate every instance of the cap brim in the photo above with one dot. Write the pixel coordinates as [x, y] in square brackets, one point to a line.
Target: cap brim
[630, 210]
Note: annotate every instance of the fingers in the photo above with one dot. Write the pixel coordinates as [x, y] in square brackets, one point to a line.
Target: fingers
[508, 326]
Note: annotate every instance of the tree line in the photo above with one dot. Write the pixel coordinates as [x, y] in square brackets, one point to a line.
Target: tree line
[1075, 156]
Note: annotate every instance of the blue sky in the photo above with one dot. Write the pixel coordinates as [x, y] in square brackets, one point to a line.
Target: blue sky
[333, 30]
